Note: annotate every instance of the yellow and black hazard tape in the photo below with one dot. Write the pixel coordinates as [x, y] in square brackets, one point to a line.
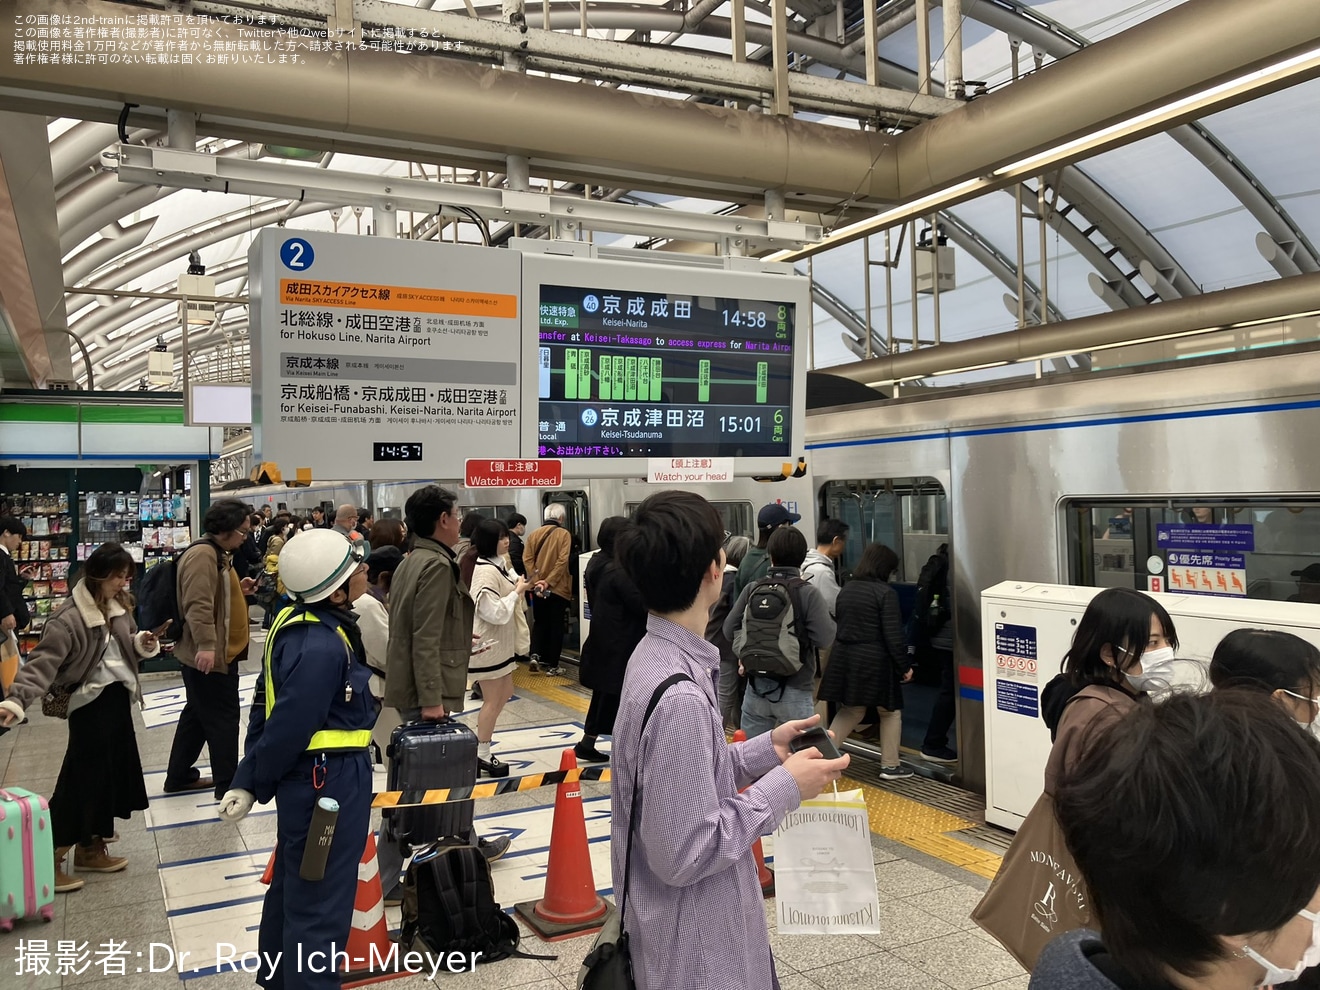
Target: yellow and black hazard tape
[486, 789]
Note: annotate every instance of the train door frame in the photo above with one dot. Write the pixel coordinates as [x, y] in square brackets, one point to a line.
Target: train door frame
[577, 506]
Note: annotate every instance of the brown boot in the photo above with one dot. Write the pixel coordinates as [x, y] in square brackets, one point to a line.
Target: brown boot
[63, 882]
[95, 859]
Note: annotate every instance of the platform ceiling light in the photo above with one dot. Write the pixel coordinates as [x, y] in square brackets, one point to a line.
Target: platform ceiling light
[194, 311]
[1205, 100]
[160, 364]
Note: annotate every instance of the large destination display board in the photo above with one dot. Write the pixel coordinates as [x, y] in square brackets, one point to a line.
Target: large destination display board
[645, 374]
[640, 361]
[386, 359]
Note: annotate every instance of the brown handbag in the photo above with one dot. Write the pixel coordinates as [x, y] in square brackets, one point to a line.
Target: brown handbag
[1038, 893]
[56, 702]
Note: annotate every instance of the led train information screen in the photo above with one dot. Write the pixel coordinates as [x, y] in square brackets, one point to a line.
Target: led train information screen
[627, 373]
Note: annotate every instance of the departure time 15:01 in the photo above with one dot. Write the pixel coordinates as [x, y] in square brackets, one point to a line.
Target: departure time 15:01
[740, 424]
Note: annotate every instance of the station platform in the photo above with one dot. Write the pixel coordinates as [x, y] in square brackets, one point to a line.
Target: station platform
[192, 881]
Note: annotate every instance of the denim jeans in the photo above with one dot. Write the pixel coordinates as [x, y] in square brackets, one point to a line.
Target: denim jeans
[761, 715]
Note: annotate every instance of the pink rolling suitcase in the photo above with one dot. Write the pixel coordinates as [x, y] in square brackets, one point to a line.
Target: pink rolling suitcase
[27, 858]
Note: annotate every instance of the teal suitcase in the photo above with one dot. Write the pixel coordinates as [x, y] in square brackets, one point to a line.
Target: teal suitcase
[27, 858]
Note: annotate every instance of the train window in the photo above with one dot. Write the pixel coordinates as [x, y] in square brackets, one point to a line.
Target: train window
[739, 519]
[1255, 547]
[500, 512]
[909, 515]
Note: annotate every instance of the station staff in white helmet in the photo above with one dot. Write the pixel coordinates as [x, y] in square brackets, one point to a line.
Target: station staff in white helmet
[307, 747]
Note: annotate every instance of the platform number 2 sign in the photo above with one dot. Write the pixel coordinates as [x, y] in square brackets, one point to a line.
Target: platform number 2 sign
[297, 254]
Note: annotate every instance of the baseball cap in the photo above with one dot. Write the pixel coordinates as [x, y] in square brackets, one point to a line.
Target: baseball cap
[1311, 573]
[384, 559]
[775, 514]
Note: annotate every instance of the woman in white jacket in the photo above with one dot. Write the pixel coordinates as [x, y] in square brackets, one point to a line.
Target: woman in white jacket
[502, 634]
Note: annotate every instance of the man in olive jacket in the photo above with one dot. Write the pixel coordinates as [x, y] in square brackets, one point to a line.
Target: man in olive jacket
[431, 616]
[207, 600]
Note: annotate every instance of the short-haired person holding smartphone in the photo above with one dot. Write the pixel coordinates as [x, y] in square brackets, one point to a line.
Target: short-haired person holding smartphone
[690, 867]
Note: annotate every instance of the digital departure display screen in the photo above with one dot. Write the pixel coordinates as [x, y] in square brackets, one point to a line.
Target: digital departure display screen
[647, 374]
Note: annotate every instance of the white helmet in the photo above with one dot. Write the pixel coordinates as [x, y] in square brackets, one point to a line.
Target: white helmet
[314, 565]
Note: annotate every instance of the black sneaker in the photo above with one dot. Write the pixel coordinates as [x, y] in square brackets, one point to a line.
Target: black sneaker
[534, 664]
[939, 754]
[590, 754]
[493, 767]
[895, 773]
[493, 849]
[476, 693]
[553, 671]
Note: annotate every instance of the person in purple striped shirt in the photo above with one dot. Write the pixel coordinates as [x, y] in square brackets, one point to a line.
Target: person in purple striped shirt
[693, 914]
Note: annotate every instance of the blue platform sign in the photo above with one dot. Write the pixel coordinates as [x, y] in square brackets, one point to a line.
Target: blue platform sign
[1018, 698]
[1204, 536]
[1018, 641]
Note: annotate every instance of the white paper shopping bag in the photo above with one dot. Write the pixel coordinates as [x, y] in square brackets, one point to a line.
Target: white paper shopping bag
[824, 869]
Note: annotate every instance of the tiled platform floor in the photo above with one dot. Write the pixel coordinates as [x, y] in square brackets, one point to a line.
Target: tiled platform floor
[166, 899]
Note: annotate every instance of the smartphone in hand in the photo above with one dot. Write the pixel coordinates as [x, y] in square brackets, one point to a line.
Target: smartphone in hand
[819, 738]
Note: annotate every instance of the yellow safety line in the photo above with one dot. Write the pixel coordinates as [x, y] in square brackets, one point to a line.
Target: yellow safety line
[921, 827]
[551, 689]
[915, 825]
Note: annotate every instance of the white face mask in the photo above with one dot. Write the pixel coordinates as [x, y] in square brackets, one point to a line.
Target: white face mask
[1311, 957]
[1156, 671]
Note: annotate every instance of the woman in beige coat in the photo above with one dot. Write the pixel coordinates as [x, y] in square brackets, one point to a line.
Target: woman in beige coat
[501, 631]
[91, 648]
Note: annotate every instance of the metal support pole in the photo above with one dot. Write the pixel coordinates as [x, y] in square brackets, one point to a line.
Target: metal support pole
[1043, 209]
[383, 219]
[935, 271]
[739, 31]
[811, 316]
[889, 295]
[515, 13]
[181, 129]
[1015, 44]
[866, 290]
[923, 47]
[518, 173]
[779, 35]
[953, 49]
[912, 264]
[872, 56]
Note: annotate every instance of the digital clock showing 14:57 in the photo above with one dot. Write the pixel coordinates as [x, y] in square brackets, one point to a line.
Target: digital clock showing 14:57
[396, 451]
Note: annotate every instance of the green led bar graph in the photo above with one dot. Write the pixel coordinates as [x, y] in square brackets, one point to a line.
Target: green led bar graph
[633, 378]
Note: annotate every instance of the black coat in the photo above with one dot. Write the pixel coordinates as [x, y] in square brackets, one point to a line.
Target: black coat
[869, 657]
[618, 623]
[11, 592]
[516, 554]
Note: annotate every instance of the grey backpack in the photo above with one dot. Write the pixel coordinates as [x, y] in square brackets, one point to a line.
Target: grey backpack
[772, 641]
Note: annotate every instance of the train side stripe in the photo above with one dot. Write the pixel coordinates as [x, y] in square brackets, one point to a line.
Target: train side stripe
[1075, 424]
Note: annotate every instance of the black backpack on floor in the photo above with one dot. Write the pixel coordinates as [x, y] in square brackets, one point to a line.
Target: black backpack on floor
[449, 906]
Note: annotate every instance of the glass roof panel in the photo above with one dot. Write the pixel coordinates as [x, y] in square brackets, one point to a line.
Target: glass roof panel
[1277, 137]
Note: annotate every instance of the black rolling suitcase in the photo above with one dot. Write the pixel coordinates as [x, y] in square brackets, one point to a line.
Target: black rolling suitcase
[425, 756]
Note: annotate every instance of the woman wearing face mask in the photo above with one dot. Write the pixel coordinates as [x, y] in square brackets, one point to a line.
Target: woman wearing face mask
[1282, 665]
[1123, 648]
[1193, 825]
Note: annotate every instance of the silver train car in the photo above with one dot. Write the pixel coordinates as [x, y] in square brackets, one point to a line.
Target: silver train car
[1061, 482]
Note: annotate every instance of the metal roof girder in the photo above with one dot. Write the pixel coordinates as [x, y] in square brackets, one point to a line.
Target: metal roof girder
[190, 170]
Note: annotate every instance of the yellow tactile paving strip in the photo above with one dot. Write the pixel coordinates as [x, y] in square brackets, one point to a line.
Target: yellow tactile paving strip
[916, 825]
[921, 827]
[551, 688]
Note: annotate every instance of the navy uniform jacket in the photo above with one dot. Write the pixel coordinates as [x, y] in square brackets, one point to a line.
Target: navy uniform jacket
[310, 665]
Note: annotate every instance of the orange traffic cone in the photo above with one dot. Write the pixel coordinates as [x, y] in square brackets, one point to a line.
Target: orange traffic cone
[369, 944]
[571, 905]
[763, 872]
